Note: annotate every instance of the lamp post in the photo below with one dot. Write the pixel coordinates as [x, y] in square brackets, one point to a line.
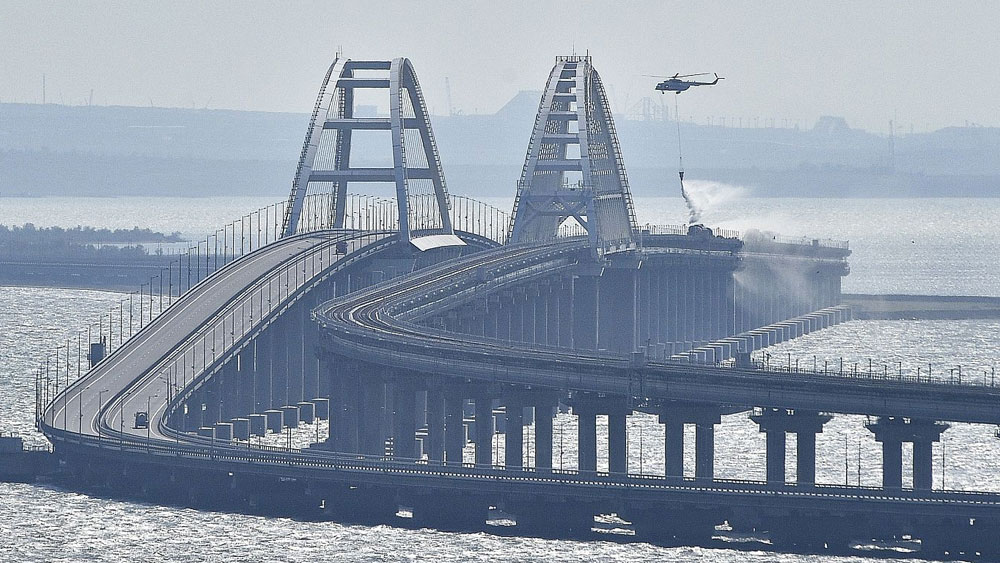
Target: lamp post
[149, 419]
[79, 402]
[100, 408]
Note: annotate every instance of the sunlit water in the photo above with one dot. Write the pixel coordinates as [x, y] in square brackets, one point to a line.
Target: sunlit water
[42, 523]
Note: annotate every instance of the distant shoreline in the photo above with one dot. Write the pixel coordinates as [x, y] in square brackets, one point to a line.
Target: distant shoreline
[921, 307]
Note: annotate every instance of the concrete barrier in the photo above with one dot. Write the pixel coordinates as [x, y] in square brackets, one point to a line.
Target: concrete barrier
[224, 431]
[322, 408]
[241, 428]
[291, 416]
[307, 412]
[274, 420]
[258, 424]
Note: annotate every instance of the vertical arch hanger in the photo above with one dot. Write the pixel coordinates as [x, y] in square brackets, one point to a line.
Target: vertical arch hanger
[573, 168]
[325, 161]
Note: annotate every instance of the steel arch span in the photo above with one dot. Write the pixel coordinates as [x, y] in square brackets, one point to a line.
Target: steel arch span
[574, 167]
[325, 162]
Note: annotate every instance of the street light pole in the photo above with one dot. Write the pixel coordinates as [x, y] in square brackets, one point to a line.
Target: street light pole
[100, 407]
[79, 402]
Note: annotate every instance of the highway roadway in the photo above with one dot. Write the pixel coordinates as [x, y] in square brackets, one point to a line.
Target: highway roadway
[200, 327]
[377, 324]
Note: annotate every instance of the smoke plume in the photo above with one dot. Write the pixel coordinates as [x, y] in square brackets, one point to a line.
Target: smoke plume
[694, 213]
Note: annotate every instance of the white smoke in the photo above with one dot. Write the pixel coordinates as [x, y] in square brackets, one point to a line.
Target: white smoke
[694, 213]
[706, 197]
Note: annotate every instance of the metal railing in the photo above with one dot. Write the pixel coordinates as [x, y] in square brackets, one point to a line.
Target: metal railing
[86, 347]
[761, 237]
[871, 370]
[287, 458]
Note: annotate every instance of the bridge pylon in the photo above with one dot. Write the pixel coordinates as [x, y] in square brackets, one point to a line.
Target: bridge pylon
[325, 162]
[573, 168]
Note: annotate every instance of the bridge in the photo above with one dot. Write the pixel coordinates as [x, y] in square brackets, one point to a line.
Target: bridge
[417, 326]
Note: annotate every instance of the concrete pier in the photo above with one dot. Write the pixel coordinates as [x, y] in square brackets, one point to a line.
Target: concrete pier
[307, 412]
[673, 416]
[223, 431]
[290, 416]
[455, 437]
[586, 438]
[275, 420]
[322, 407]
[258, 424]
[891, 432]
[241, 428]
[484, 431]
[776, 423]
[514, 435]
[404, 420]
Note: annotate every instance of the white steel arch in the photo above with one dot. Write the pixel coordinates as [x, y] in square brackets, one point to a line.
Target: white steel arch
[326, 153]
[574, 111]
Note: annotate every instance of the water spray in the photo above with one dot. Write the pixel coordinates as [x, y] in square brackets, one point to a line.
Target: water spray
[694, 214]
[679, 83]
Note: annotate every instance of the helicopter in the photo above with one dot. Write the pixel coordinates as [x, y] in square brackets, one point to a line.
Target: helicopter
[677, 85]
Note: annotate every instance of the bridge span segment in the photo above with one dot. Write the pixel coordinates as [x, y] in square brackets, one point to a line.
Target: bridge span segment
[418, 355]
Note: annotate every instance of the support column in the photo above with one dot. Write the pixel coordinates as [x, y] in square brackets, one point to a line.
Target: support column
[892, 431]
[585, 312]
[892, 463]
[673, 446]
[514, 436]
[492, 316]
[245, 381]
[371, 436]
[922, 465]
[351, 404]
[279, 362]
[673, 307]
[775, 456]
[704, 451]
[262, 374]
[405, 420]
[334, 368]
[227, 378]
[538, 304]
[704, 416]
[484, 431]
[565, 298]
[775, 423]
[296, 355]
[519, 329]
[435, 425]
[805, 458]
[550, 293]
[310, 361]
[617, 443]
[454, 430]
[617, 309]
[543, 437]
[586, 439]
[505, 315]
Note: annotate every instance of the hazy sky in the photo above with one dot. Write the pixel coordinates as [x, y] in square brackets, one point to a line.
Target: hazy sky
[931, 64]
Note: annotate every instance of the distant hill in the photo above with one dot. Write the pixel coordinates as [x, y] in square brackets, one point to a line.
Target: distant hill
[73, 150]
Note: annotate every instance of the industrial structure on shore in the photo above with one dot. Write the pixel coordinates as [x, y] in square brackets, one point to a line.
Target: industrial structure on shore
[420, 324]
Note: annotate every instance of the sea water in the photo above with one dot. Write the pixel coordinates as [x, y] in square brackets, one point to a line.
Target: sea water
[916, 246]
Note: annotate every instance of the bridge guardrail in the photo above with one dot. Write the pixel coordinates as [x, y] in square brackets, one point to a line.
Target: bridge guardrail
[291, 458]
[168, 367]
[72, 359]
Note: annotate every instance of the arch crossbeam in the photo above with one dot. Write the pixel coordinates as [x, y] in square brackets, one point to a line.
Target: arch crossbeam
[573, 168]
[416, 171]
